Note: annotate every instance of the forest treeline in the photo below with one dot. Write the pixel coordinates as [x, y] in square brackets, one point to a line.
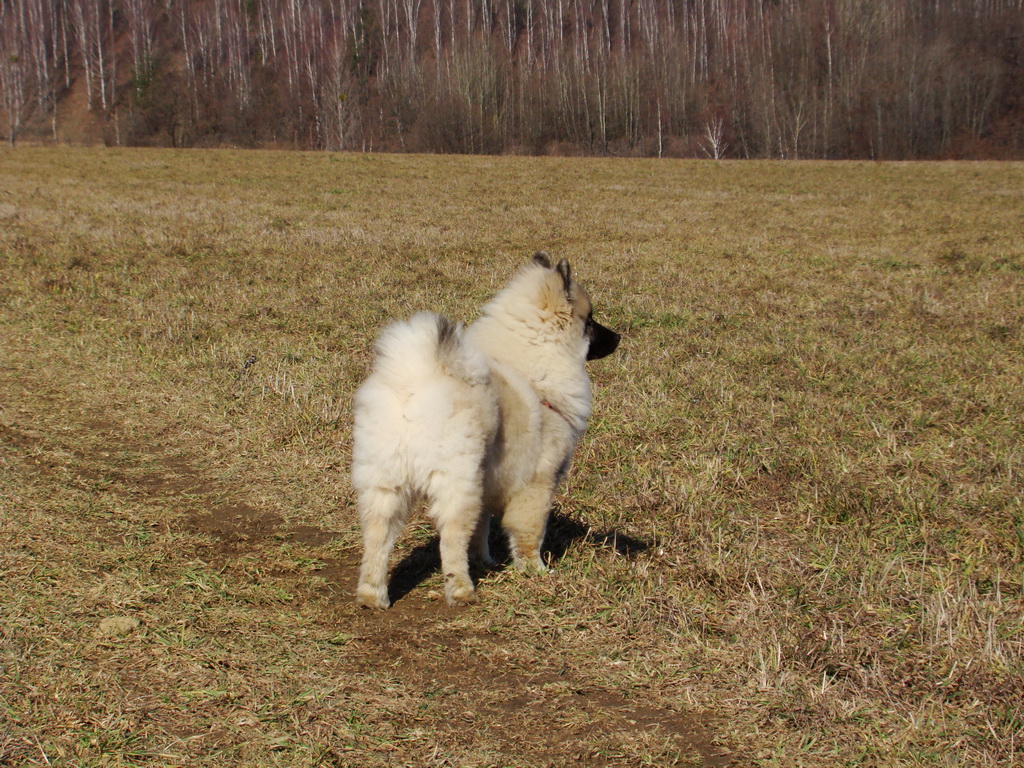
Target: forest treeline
[718, 78]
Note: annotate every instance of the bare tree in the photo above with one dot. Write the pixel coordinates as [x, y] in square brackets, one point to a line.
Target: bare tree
[713, 141]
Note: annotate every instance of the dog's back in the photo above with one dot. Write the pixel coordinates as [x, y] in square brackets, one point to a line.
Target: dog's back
[424, 404]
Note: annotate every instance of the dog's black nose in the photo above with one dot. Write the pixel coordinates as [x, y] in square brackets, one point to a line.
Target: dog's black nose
[603, 341]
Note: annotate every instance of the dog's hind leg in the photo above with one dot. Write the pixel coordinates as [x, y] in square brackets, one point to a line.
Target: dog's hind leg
[455, 513]
[525, 521]
[383, 513]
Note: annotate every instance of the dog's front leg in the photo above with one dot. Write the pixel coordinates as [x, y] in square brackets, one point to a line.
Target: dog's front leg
[525, 521]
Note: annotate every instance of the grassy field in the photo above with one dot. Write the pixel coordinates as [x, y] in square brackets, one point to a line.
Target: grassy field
[793, 535]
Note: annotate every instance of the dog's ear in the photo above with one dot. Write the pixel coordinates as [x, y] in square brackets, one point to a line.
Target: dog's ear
[564, 271]
[555, 287]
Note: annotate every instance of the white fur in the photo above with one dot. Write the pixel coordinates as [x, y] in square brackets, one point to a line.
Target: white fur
[465, 424]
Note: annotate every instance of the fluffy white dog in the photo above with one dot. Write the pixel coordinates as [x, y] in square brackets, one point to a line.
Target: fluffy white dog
[481, 421]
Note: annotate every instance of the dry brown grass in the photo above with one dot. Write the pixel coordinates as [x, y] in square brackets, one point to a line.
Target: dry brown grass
[793, 534]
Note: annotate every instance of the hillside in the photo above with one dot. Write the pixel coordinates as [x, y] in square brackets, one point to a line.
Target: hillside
[703, 78]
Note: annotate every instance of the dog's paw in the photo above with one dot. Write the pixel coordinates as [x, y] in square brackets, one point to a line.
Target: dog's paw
[372, 597]
[530, 564]
[458, 599]
[457, 594]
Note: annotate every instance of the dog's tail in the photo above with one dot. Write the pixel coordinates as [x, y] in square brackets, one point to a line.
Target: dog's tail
[426, 345]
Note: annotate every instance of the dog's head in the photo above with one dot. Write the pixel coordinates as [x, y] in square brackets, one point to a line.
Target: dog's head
[571, 303]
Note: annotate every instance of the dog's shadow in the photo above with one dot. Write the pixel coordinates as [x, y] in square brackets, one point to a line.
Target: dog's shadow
[562, 533]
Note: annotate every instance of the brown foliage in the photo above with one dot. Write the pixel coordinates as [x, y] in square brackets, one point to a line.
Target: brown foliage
[822, 79]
